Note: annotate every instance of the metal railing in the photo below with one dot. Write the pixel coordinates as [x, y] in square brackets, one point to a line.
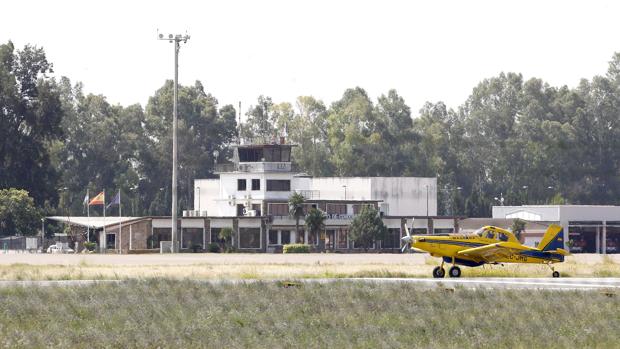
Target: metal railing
[256, 167]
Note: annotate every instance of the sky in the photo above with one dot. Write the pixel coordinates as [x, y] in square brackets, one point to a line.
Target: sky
[426, 50]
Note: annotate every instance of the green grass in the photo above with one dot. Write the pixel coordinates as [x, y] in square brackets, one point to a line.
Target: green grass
[178, 313]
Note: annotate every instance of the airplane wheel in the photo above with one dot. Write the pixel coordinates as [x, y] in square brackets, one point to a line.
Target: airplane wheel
[455, 272]
[439, 272]
[556, 274]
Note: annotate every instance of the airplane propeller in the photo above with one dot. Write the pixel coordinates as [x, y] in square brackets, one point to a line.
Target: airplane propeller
[407, 239]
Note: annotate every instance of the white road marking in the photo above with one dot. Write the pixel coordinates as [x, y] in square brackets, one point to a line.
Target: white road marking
[472, 283]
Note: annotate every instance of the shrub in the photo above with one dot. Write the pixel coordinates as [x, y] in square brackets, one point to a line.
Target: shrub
[196, 247]
[296, 248]
[213, 247]
[90, 245]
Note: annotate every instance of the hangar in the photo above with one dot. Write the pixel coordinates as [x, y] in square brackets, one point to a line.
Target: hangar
[587, 228]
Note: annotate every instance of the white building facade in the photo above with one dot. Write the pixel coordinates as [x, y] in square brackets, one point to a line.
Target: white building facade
[251, 196]
[587, 228]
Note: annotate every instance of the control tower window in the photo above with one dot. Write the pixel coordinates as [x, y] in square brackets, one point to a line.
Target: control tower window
[250, 154]
[286, 155]
[272, 154]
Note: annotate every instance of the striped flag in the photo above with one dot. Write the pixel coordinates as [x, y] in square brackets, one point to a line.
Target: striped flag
[98, 200]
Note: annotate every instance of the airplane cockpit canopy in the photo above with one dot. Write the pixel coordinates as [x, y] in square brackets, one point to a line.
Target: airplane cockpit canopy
[485, 232]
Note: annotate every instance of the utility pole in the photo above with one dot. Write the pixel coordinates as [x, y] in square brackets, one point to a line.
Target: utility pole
[176, 39]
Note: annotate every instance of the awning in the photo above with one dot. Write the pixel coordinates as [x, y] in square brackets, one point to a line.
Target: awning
[93, 222]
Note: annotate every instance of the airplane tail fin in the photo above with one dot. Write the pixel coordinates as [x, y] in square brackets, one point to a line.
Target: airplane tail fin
[553, 240]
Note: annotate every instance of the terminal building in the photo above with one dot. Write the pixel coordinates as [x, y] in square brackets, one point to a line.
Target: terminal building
[251, 197]
[251, 193]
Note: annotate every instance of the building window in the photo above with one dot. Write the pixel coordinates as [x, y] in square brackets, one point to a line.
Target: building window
[278, 185]
[241, 184]
[278, 209]
[250, 154]
[256, 207]
[286, 155]
[256, 184]
[285, 237]
[392, 238]
[273, 237]
[159, 234]
[312, 239]
[240, 209]
[191, 237]
[358, 207]
[215, 235]
[336, 209]
[249, 237]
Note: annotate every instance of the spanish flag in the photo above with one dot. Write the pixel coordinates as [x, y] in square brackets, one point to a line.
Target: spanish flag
[98, 200]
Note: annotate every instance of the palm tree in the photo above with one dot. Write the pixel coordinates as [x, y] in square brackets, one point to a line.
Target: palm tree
[315, 223]
[296, 208]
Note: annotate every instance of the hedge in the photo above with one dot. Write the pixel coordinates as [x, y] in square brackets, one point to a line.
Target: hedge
[296, 248]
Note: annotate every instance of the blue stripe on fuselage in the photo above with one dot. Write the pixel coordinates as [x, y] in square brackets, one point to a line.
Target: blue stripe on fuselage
[543, 255]
[454, 242]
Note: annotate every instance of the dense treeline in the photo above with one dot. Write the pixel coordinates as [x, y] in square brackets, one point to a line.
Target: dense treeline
[523, 141]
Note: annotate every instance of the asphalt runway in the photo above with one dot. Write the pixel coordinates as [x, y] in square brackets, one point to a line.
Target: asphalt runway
[566, 284]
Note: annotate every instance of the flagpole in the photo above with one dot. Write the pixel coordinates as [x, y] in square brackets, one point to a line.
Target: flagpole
[88, 215]
[104, 235]
[120, 224]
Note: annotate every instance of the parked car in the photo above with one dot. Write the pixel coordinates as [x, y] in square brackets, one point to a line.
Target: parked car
[59, 249]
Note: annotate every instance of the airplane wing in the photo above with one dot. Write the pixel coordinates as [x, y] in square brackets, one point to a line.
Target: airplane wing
[493, 252]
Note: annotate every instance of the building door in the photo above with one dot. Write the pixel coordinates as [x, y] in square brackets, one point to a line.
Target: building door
[330, 239]
[110, 241]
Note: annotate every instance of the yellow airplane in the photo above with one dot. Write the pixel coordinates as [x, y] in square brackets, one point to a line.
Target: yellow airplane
[487, 245]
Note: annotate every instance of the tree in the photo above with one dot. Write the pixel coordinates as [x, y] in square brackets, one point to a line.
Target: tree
[308, 129]
[30, 116]
[296, 208]
[260, 123]
[315, 223]
[226, 235]
[18, 214]
[202, 129]
[367, 227]
[518, 227]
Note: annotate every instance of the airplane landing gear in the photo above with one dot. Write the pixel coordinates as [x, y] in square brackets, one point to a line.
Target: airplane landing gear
[455, 272]
[439, 272]
[555, 274]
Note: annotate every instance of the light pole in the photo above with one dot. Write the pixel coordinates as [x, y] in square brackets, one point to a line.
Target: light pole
[198, 201]
[42, 233]
[133, 199]
[427, 202]
[525, 189]
[176, 39]
[500, 199]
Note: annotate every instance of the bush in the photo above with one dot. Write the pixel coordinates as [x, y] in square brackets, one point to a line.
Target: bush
[196, 247]
[90, 246]
[296, 248]
[213, 247]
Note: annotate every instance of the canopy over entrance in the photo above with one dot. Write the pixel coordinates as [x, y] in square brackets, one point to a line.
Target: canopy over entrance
[93, 222]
